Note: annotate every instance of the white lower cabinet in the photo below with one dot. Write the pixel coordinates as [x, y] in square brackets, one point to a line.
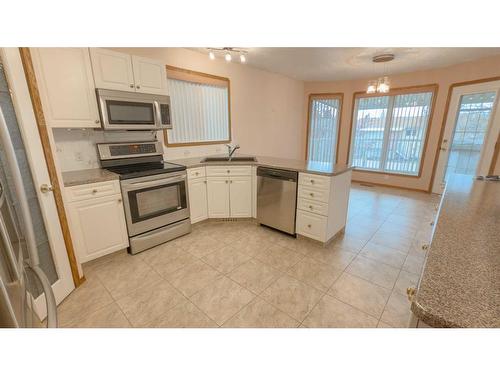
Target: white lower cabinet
[218, 197]
[198, 209]
[240, 196]
[229, 191]
[97, 224]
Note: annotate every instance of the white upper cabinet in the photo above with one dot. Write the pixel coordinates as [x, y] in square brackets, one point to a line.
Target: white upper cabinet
[150, 76]
[112, 70]
[121, 71]
[66, 86]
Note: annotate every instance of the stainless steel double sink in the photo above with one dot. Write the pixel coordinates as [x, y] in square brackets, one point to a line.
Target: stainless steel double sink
[215, 159]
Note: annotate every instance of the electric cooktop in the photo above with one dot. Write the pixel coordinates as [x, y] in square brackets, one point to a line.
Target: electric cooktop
[145, 169]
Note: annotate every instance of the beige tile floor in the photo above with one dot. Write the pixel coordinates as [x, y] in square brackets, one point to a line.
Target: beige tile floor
[239, 274]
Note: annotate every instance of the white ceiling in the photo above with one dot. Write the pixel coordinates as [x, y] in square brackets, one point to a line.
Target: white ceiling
[334, 64]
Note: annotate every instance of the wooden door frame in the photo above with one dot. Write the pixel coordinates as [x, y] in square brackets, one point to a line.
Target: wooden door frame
[443, 126]
[49, 159]
[333, 95]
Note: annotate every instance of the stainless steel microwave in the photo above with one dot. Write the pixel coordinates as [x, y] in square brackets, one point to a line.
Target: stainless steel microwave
[122, 110]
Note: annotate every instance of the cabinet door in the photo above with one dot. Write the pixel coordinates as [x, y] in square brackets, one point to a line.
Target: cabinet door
[218, 196]
[150, 76]
[66, 86]
[112, 70]
[198, 200]
[98, 227]
[240, 196]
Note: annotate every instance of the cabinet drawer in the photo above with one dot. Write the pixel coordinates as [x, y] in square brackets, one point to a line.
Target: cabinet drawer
[311, 225]
[196, 173]
[229, 170]
[314, 180]
[87, 191]
[313, 193]
[313, 206]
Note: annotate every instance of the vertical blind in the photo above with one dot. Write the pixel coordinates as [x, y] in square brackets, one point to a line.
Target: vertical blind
[200, 112]
[323, 129]
[389, 132]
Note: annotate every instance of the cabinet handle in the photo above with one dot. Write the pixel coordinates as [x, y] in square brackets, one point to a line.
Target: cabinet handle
[227, 181]
[410, 292]
[131, 85]
[119, 200]
[311, 194]
[94, 191]
[425, 247]
[228, 171]
[312, 181]
[204, 182]
[432, 223]
[196, 173]
[311, 207]
[137, 87]
[309, 225]
[97, 121]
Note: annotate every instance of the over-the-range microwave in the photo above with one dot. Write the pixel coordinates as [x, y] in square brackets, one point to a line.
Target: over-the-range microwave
[122, 110]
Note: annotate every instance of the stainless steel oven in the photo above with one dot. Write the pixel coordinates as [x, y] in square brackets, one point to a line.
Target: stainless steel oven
[122, 110]
[155, 201]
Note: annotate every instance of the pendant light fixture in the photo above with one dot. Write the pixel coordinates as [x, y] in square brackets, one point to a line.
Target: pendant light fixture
[228, 53]
[381, 85]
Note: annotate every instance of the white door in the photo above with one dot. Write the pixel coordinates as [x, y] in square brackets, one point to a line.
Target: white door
[218, 197]
[63, 285]
[150, 76]
[240, 196]
[112, 70]
[198, 200]
[471, 132]
[66, 86]
[98, 227]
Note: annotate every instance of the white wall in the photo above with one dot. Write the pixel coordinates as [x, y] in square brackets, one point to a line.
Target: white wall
[266, 114]
[266, 108]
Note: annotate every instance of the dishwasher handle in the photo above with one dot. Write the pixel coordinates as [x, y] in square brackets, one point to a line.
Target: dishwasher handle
[279, 174]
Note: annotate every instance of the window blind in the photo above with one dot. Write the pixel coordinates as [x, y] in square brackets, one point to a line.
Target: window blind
[200, 112]
[323, 130]
[389, 132]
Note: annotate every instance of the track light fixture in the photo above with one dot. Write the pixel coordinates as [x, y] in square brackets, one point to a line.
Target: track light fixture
[228, 53]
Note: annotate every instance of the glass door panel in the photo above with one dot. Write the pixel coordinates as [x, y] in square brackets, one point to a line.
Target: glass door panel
[471, 126]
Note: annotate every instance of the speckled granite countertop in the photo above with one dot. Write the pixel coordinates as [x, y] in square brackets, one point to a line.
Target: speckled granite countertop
[267, 161]
[460, 284]
[87, 176]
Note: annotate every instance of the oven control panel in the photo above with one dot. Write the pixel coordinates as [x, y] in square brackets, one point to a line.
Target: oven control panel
[128, 150]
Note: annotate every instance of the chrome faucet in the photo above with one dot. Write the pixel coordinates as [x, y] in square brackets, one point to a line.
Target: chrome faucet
[231, 150]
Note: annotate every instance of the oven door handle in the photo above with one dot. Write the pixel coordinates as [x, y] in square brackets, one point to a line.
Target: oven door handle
[138, 185]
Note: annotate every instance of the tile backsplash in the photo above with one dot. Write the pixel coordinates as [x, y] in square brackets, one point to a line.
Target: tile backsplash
[76, 148]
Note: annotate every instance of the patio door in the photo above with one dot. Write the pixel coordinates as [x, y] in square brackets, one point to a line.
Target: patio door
[471, 133]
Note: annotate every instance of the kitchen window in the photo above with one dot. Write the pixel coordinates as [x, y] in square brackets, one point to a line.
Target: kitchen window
[200, 108]
[389, 131]
[323, 125]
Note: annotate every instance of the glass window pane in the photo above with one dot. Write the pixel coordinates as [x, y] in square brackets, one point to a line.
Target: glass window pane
[410, 116]
[471, 126]
[369, 126]
[323, 129]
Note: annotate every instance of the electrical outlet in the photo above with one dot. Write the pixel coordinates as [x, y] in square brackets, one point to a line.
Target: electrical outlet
[78, 156]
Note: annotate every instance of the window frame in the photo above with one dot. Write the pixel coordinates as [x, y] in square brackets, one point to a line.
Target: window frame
[204, 78]
[311, 97]
[433, 88]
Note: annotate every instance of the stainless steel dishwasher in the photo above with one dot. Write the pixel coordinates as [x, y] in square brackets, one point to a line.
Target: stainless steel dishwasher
[277, 198]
